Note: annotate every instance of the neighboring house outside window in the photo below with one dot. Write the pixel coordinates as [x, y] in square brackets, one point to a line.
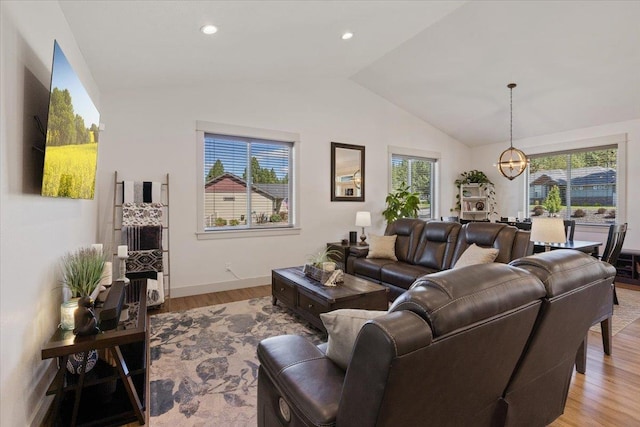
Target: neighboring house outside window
[417, 170]
[587, 180]
[247, 183]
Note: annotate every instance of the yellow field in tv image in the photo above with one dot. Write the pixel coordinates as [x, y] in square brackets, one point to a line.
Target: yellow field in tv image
[70, 171]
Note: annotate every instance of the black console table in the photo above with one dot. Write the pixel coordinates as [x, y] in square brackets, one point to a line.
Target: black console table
[113, 392]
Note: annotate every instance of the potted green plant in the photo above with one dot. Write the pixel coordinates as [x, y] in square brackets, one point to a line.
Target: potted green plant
[320, 265]
[401, 203]
[82, 271]
[322, 257]
[476, 177]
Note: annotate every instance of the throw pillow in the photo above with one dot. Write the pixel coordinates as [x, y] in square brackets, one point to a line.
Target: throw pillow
[343, 327]
[382, 247]
[474, 254]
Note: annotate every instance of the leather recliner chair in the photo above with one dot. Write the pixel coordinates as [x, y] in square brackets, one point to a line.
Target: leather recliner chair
[575, 284]
[461, 347]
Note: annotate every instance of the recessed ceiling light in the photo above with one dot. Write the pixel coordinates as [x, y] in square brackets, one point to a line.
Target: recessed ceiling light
[347, 35]
[208, 29]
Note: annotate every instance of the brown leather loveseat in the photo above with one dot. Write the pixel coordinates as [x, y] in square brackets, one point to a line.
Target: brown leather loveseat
[484, 345]
[428, 247]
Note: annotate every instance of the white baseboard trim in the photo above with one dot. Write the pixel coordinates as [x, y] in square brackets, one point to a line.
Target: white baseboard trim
[187, 291]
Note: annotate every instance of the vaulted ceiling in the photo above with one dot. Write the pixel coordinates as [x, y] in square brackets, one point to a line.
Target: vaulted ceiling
[576, 63]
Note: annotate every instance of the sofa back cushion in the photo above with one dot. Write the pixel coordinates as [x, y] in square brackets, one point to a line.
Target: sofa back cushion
[487, 235]
[408, 231]
[451, 299]
[437, 244]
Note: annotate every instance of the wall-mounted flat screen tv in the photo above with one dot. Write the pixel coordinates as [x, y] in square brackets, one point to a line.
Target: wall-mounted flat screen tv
[71, 150]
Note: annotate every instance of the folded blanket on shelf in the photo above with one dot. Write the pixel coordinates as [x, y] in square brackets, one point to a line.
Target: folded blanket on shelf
[141, 213]
[142, 192]
[149, 260]
[139, 238]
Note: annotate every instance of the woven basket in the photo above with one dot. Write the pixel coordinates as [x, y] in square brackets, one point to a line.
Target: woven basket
[316, 273]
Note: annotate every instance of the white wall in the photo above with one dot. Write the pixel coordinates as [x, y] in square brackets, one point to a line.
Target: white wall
[36, 231]
[511, 193]
[150, 132]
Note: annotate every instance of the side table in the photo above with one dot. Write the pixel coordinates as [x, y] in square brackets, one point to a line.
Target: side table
[81, 399]
[344, 250]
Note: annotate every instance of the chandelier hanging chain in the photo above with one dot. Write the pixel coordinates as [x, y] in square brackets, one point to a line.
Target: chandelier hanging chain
[511, 86]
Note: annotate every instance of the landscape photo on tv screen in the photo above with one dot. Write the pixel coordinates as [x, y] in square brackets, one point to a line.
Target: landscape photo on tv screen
[71, 150]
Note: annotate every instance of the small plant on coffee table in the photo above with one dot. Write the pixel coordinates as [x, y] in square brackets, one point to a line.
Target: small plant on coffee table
[326, 255]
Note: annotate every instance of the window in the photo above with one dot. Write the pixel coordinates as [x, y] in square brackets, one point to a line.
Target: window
[247, 183]
[584, 183]
[418, 173]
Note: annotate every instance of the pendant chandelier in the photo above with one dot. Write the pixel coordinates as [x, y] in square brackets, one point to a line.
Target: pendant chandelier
[512, 161]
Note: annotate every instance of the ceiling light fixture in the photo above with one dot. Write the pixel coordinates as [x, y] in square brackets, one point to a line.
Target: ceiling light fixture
[208, 29]
[512, 162]
[347, 35]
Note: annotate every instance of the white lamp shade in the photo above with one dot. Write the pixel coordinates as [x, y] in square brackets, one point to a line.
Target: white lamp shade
[363, 219]
[548, 230]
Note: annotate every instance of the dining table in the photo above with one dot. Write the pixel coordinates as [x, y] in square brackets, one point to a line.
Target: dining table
[578, 245]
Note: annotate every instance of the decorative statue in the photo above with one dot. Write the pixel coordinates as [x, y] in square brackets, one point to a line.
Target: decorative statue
[84, 318]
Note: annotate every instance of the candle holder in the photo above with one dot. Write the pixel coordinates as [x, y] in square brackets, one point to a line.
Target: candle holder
[123, 254]
[123, 269]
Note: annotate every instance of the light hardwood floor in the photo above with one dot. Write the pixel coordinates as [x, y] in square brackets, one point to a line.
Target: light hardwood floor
[607, 395]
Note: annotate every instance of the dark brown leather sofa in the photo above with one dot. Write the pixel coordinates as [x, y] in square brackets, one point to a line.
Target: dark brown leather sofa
[484, 345]
[428, 247]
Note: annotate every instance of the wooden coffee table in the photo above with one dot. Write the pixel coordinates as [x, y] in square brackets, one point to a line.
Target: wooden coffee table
[308, 298]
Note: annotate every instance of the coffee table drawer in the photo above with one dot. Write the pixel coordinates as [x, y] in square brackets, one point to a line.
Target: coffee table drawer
[310, 305]
[283, 291]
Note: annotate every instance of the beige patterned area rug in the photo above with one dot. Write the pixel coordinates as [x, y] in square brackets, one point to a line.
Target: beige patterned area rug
[626, 312]
[204, 365]
[204, 368]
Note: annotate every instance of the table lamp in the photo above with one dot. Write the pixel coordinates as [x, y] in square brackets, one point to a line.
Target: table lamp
[363, 219]
[547, 231]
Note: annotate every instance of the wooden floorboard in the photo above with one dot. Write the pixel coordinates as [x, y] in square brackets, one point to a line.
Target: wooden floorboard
[607, 395]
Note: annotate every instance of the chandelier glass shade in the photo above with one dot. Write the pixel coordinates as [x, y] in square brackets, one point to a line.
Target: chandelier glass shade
[512, 162]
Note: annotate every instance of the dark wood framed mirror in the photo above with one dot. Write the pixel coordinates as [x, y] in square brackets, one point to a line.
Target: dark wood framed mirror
[347, 172]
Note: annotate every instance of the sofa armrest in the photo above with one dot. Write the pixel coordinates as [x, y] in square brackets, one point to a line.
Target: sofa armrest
[359, 252]
[355, 252]
[306, 379]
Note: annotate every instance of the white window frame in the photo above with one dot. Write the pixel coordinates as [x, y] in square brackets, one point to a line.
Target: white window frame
[422, 154]
[204, 127]
[619, 140]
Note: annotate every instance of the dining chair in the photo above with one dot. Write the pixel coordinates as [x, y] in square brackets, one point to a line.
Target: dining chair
[569, 229]
[613, 247]
[615, 239]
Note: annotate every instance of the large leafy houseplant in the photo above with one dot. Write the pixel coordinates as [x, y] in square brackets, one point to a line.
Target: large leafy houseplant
[82, 271]
[476, 177]
[401, 203]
